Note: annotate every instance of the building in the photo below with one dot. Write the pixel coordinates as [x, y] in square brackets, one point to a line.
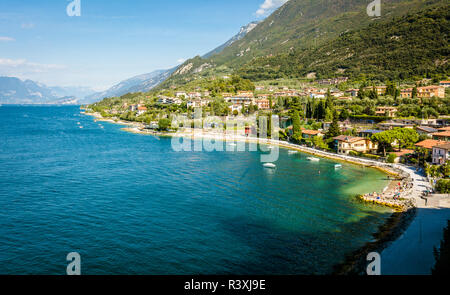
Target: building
[353, 92]
[393, 125]
[386, 111]
[180, 94]
[425, 130]
[381, 90]
[445, 136]
[226, 94]
[245, 94]
[263, 104]
[286, 93]
[441, 153]
[197, 103]
[346, 144]
[428, 144]
[133, 107]
[240, 100]
[317, 95]
[406, 93]
[141, 110]
[259, 88]
[306, 134]
[333, 81]
[368, 133]
[444, 84]
[431, 91]
[194, 95]
[264, 96]
[169, 100]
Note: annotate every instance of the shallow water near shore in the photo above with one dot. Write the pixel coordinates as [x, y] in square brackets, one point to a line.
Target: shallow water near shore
[129, 204]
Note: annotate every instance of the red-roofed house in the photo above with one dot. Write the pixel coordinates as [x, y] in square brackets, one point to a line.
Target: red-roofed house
[311, 133]
[444, 84]
[141, 110]
[428, 144]
[345, 144]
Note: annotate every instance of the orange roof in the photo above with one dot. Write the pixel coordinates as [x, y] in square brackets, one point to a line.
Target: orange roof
[444, 129]
[442, 134]
[311, 132]
[142, 108]
[348, 138]
[429, 143]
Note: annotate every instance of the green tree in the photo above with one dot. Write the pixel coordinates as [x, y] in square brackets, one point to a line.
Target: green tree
[384, 140]
[164, 124]
[296, 127]
[334, 129]
[414, 92]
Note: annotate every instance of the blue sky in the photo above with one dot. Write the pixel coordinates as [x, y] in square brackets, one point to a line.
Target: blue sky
[114, 40]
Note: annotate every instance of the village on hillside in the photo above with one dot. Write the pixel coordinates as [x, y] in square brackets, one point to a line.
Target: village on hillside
[393, 123]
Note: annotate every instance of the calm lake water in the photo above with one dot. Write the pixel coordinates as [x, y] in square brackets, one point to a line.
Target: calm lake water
[130, 205]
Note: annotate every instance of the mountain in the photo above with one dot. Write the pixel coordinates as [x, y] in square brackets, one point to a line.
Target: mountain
[16, 91]
[141, 83]
[413, 45]
[242, 33]
[72, 91]
[297, 26]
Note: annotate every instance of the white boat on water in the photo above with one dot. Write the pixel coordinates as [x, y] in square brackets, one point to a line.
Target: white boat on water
[270, 165]
[312, 159]
[337, 166]
[292, 152]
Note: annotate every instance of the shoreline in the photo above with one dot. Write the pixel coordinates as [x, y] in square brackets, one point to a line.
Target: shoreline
[390, 231]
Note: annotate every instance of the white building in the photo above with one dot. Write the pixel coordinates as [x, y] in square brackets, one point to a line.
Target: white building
[441, 153]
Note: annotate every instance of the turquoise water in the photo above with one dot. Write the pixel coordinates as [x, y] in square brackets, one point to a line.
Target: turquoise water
[130, 205]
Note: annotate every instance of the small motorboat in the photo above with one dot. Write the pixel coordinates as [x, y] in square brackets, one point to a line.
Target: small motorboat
[312, 159]
[337, 166]
[292, 152]
[270, 165]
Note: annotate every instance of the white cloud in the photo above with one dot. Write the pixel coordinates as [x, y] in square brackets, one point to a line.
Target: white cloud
[6, 39]
[22, 67]
[268, 6]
